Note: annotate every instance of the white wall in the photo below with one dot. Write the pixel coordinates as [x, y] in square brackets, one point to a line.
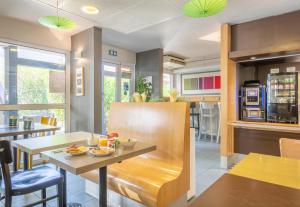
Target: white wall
[27, 32]
[124, 56]
[201, 66]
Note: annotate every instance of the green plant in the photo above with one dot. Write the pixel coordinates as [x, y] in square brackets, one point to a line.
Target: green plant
[142, 86]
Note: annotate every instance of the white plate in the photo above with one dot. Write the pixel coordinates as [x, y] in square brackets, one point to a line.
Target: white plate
[79, 153]
[102, 155]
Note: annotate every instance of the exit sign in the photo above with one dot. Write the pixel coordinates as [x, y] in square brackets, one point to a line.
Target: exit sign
[113, 53]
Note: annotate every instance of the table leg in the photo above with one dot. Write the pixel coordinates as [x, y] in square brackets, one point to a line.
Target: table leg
[63, 173]
[25, 155]
[65, 204]
[103, 187]
[15, 156]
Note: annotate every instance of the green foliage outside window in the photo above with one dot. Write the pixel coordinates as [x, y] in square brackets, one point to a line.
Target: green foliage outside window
[33, 88]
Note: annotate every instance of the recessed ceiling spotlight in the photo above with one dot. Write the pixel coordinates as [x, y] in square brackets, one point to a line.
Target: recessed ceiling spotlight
[90, 9]
[253, 58]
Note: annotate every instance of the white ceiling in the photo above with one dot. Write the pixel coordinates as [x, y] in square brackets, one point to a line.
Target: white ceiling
[141, 25]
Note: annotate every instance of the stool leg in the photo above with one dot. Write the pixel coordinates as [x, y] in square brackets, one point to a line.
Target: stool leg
[198, 122]
[219, 129]
[210, 127]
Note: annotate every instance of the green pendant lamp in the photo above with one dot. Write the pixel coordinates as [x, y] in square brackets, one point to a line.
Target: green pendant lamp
[57, 22]
[204, 8]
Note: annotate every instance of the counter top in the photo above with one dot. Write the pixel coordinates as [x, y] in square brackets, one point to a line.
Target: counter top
[294, 128]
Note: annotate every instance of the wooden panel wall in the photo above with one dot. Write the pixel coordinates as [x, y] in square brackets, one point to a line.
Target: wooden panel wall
[271, 32]
[229, 102]
[269, 35]
[259, 141]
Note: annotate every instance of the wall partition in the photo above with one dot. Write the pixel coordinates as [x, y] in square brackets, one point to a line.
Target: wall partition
[32, 83]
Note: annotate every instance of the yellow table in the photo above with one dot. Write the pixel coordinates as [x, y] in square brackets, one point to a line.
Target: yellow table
[270, 169]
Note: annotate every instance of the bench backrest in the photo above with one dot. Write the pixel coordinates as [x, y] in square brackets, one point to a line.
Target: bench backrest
[164, 124]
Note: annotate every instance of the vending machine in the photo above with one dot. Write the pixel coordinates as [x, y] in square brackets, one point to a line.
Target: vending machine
[282, 93]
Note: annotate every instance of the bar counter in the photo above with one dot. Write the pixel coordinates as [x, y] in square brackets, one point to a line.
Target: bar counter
[293, 128]
[260, 137]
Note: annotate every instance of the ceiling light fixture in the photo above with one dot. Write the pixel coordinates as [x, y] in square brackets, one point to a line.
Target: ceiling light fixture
[213, 37]
[90, 9]
[57, 22]
[204, 8]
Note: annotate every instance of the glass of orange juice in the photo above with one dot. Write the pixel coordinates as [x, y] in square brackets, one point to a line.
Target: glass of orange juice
[103, 141]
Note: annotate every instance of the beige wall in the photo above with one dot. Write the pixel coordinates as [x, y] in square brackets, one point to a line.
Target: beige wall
[124, 56]
[26, 32]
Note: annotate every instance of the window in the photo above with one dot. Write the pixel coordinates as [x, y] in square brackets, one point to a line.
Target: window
[167, 84]
[31, 79]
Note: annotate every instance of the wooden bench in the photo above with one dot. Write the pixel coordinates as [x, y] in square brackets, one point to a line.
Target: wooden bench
[161, 177]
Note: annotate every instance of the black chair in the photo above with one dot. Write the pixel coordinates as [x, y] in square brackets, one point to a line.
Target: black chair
[28, 181]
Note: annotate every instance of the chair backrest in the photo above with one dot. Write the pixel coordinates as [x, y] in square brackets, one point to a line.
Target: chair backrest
[167, 125]
[45, 120]
[5, 159]
[5, 152]
[289, 148]
[193, 105]
[53, 122]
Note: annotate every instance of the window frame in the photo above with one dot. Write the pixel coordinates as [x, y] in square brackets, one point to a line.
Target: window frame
[66, 106]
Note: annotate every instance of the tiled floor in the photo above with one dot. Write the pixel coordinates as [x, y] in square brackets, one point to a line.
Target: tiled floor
[207, 172]
[207, 165]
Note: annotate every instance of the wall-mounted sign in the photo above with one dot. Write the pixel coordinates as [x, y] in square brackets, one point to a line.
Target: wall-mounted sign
[113, 53]
[79, 82]
[201, 83]
[274, 70]
[291, 69]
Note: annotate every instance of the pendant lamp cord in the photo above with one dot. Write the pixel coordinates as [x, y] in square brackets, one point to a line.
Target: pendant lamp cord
[57, 13]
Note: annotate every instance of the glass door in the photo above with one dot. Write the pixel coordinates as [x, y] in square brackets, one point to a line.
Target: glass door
[117, 86]
[126, 83]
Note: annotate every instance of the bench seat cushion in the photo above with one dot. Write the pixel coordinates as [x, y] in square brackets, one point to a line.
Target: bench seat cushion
[139, 178]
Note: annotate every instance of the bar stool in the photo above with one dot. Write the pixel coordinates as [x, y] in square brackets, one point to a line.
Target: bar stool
[195, 117]
[210, 121]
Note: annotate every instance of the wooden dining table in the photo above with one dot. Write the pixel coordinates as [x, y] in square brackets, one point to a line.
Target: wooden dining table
[85, 163]
[257, 181]
[6, 131]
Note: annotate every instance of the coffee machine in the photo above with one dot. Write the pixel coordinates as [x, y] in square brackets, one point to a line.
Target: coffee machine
[253, 101]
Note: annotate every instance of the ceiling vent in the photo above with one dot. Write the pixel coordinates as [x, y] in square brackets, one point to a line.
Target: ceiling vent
[171, 62]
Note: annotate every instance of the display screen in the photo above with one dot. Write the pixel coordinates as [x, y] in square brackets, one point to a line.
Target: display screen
[252, 93]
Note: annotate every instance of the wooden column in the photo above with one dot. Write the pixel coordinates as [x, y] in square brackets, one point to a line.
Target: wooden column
[229, 92]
